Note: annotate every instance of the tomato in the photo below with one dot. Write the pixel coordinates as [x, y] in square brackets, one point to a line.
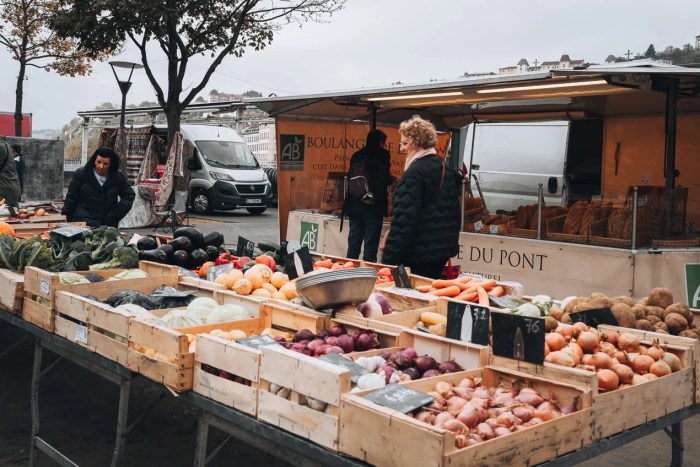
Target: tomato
[267, 261]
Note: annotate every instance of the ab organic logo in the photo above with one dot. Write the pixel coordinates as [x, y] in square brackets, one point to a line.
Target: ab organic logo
[292, 153]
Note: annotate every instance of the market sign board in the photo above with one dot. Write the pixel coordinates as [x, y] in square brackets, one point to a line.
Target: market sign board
[692, 285]
[292, 153]
[309, 235]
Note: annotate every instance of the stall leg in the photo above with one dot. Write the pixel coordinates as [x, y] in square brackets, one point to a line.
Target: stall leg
[36, 376]
[200, 452]
[676, 435]
[122, 417]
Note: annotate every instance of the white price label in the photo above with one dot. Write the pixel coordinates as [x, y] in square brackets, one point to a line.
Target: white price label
[493, 229]
[478, 226]
[81, 333]
[44, 286]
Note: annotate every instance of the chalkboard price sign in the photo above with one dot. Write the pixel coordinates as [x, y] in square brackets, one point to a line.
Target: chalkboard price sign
[594, 317]
[69, 231]
[399, 398]
[187, 273]
[244, 247]
[468, 323]
[401, 278]
[355, 370]
[518, 337]
[215, 271]
[256, 342]
[298, 263]
[503, 302]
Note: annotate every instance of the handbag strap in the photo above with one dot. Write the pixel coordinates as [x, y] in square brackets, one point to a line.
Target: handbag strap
[437, 192]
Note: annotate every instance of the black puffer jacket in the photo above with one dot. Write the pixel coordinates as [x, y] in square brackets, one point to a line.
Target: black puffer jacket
[424, 226]
[378, 167]
[97, 205]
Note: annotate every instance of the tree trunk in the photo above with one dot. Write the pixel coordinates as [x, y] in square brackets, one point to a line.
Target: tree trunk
[172, 113]
[19, 91]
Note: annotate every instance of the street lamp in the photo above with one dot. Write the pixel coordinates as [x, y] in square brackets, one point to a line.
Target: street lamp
[124, 85]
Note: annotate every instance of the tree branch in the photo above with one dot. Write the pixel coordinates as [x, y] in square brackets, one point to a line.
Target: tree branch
[147, 67]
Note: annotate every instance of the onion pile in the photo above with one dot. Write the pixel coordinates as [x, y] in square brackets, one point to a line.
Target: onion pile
[334, 340]
[619, 359]
[477, 413]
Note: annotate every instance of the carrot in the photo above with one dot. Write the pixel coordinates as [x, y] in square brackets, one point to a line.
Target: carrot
[423, 288]
[496, 291]
[483, 296]
[465, 279]
[488, 284]
[451, 291]
[466, 297]
[440, 283]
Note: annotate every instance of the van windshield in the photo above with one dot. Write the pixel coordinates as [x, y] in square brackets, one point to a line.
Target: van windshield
[227, 154]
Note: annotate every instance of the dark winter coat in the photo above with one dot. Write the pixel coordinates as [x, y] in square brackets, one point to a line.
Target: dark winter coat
[378, 167]
[97, 205]
[9, 182]
[424, 225]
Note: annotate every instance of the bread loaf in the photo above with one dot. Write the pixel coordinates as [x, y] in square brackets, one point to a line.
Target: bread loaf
[572, 223]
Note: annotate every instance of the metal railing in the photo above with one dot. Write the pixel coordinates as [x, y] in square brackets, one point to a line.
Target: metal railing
[71, 165]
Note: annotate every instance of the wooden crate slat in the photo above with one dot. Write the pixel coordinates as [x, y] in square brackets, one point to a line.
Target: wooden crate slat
[178, 377]
[37, 314]
[230, 356]
[230, 393]
[11, 290]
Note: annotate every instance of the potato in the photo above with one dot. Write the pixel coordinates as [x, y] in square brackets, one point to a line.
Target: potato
[655, 311]
[640, 312]
[661, 326]
[624, 299]
[570, 306]
[595, 295]
[600, 302]
[660, 296]
[643, 301]
[676, 323]
[550, 323]
[582, 307]
[556, 312]
[688, 333]
[653, 319]
[662, 331]
[644, 325]
[624, 315]
[565, 318]
[681, 309]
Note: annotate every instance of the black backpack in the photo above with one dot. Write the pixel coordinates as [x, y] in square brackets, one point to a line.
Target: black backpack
[358, 183]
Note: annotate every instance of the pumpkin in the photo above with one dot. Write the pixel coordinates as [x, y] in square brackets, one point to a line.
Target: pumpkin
[289, 290]
[41, 212]
[261, 293]
[242, 287]
[278, 279]
[6, 228]
[255, 276]
[203, 269]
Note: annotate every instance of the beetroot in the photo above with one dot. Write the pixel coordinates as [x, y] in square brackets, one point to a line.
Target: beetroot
[431, 373]
[449, 366]
[303, 335]
[331, 340]
[412, 372]
[333, 349]
[323, 333]
[426, 363]
[298, 347]
[410, 352]
[320, 350]
[366, 340]
[313, 345]
[346, 343]
[280, 339]
[400, 360]
[337, 331]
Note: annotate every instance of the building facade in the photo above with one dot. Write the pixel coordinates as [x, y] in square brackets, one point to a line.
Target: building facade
[262, 142]
[523, 66]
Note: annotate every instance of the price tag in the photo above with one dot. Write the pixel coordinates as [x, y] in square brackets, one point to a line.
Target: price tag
[478, 226]
[44, 286]
[298, 263]
[215, 271]
[594, 317]
[503, 302]
[69, 231]
[244, 247]
[355, 370]
[256, 342]
[518, 337]
[187, 273]
[401, 278]
[81, 333]
[399, 398]
[493, 228]
[467, 323]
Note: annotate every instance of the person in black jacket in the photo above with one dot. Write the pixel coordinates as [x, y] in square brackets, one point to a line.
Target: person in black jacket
[19, 164]
[99, 193]
[365, 219]
[424, 230]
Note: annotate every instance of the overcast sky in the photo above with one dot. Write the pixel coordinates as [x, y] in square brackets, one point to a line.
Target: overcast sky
[376, 42]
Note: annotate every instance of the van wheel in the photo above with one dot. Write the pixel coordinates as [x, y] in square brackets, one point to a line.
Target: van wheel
[256, 211]
[200, 202]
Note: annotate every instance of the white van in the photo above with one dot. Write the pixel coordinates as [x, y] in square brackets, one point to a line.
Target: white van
[224, 174]
[509, 160]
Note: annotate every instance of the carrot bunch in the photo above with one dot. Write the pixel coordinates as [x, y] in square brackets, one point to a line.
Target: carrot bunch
[465, 288]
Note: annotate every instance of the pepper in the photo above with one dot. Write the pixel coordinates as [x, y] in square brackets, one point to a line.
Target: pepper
[224, 258]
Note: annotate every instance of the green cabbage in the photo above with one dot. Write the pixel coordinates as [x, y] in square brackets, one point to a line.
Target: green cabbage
[201, 307]
[70, 278]
[131, 274]
[229, 312]
[181, 319]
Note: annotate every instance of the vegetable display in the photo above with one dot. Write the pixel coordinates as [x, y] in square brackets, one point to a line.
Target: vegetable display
[465, 288]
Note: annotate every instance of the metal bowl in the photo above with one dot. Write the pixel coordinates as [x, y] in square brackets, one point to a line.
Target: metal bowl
[337, 289]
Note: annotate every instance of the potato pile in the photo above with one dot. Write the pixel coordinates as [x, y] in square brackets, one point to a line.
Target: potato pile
[657, 312]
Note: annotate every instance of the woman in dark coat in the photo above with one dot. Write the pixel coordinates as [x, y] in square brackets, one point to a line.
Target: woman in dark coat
[9, 182]
[99, 193]
[424, 230]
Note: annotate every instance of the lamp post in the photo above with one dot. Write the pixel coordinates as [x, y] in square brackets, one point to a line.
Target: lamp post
[124, 86]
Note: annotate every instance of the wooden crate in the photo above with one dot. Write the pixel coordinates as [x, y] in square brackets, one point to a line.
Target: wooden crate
[382, 436]
[40, 288]
[320, 380]
[174, 344]
[98, 326]
[234, 358]
[11, 290]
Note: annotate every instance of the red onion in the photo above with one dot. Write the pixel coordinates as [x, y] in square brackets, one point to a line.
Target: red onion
[337, 331]
[431, 374]
[320, 350]
[345, 342]
[303, 335]
[425, 363]
[385, 354]
[388, 371]
[313, 345]
[298, 347]
[400, 360]
[322, 334]
[485, 431]
[280, 339]
[412, 372]
[332, 340]
[449, 366]
[305, 342]
[333, 349]
[410, 352]
[366, 340]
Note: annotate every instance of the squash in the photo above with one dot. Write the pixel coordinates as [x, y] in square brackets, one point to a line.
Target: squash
[6, 228]
[181, 319]
[41, 212]
[430, 317]
[278, 279]
[242, 287]
[255, 277]
[289, 290]
[261, 292]
[203, 269]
